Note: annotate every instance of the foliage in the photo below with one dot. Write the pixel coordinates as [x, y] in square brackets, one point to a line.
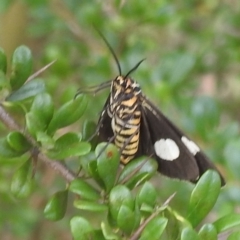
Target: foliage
[191, 51]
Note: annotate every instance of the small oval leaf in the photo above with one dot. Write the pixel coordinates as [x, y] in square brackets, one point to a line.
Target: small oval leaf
[28, 90]
[208, 232]
[84, 189]
[34, 125]
[108, 232]
[119, 196]
[227, 222]
[93, 172]
[107, 163]
[90, 206]
[89, 133]
[69, 113]
[21, 66]
[22, 183]
[154, 229]
[6, 150]
[18, 142]
[234, 236]
[188, 233]
[201, 202]
[42, 107]
[147, 195]
[79, 227]
[46, 141]
[138, 171]
[56, 207]
[89, 128]
[126, 219]
[67, 139]
[71, 150]
[4, 84]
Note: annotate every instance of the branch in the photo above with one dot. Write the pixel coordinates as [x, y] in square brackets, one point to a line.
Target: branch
[55, 165]
[137, 234]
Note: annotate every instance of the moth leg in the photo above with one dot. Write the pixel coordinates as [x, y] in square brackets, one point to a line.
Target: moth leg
[93, 89]
[96, 131]
[99, 124]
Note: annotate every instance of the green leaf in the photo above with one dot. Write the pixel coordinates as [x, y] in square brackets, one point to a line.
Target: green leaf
[56, 206]
[183, 222]
[22, 183]
[234, 236]
[107, 163]
[84, 189]
[67, 139]
[108, 232]
[46, 141]
[3, 61]
[89, 128]
[126, 219]
[28, 90]
[137, 216]
[90, 206]
[201, 202]
[34, 125]
[79, 228]
[18, 142]
[75, 149]
[96, 234]
[21, 66]
[154, 228]
[227, 222]
[86, 160]
[42, 107]
[89, 133]
[93, 172]
[208, 232]
[4, 84]
[174, 226]
[69, 145]
[189, 234]
[147, 195]
[146, 208]
[138, 171]
[69, 113]
[6, 150]
[119, 196]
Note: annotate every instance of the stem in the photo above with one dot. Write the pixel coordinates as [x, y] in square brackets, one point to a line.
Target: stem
[137, 234]
[55, 165]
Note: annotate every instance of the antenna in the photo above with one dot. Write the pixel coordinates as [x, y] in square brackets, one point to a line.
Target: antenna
[134, 68]
[111, 50]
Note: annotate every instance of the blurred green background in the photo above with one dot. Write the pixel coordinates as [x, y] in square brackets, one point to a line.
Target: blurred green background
[191, 71]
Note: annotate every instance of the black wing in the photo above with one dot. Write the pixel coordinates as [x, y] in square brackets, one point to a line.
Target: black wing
[105, 131]
[187, 165]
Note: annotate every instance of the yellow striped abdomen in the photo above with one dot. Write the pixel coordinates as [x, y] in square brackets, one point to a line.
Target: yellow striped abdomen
[126, 125]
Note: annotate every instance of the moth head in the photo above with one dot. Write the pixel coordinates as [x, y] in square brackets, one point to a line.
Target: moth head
[125, 84]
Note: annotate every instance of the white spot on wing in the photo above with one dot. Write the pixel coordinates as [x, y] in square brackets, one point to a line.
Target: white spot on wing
[191, 146]
[167, 149]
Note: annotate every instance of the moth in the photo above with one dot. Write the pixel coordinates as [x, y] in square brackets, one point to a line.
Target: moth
[137, 127]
